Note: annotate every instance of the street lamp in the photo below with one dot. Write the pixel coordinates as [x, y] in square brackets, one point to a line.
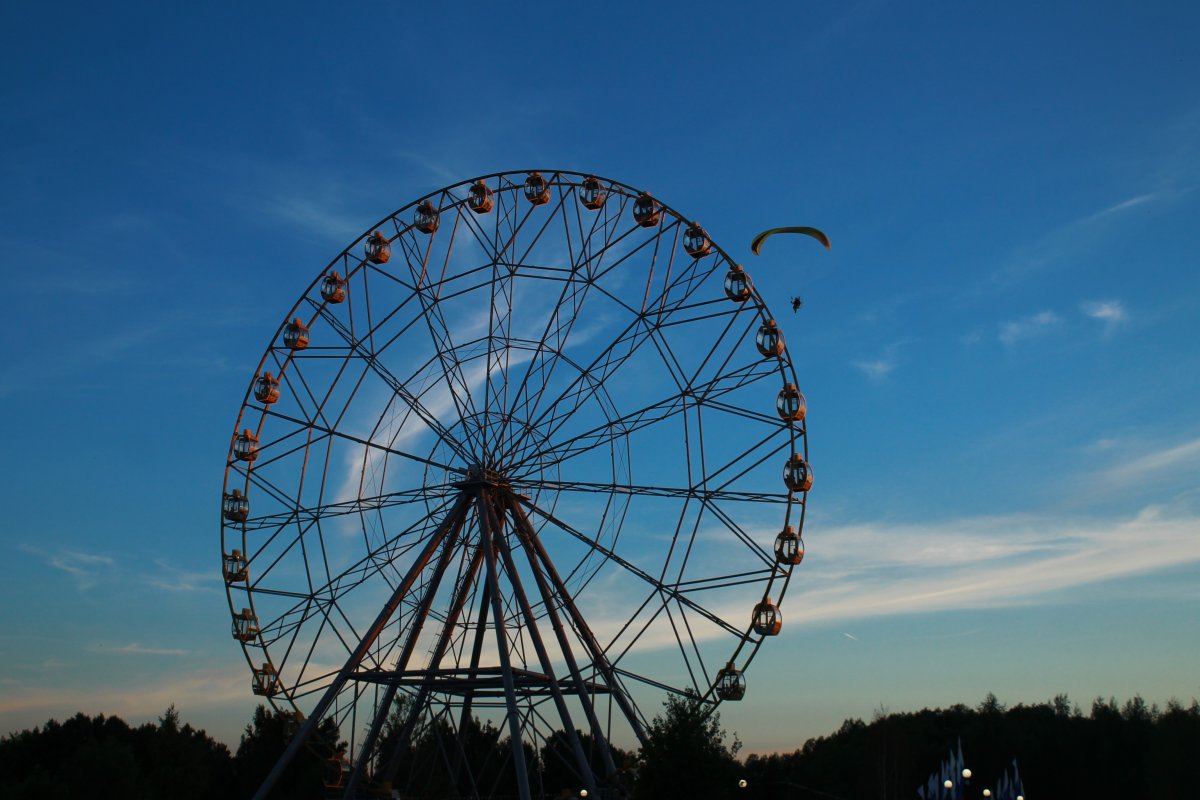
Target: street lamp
[742, 783]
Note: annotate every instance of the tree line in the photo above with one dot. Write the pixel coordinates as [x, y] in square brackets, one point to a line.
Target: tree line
[1129, 750]
[1115, 751]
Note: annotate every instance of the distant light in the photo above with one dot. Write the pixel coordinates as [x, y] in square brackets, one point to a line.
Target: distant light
[948, 783]
[987, 792]
[967, 774]
[1020, 797]
[583, 792]
[742, 783]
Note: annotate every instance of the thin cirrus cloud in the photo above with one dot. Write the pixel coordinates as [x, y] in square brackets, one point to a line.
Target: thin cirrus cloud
[29, 704]
[86, 568]
[1029, 327]
[1149, 465]
[879, 368]
[1110, 312]
[1069, 240]
[875, 369]
[875, 569]
[135, 649]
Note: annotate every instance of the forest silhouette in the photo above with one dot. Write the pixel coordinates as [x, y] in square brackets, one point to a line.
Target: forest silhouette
[1130, 750]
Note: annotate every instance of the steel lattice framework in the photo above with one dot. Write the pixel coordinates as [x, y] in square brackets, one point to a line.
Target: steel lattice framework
[514, 457]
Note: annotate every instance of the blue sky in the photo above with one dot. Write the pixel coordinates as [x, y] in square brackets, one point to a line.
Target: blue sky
[999, 352]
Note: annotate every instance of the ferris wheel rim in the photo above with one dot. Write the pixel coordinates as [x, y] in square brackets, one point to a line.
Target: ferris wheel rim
[784, 360]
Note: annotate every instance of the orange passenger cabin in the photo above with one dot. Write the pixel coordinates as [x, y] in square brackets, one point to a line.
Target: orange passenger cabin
[767, 619]
[737, 284]
[377, 248]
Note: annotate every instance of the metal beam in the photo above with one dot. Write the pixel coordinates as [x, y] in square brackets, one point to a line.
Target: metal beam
[368, 639]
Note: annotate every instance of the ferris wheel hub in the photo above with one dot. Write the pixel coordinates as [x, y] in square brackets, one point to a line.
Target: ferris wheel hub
[481, 476]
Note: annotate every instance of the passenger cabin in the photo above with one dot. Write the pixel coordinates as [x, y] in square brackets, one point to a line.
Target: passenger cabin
[245, 446]
[426, 217]
[233, 567]
[646, 211]
[266, 389]
[590, 194]
[769, 340]
[731, 683]
[789, 548]
[797, 474]
[235, 506]
[333, 288]
[537, 189]
[377, 248]
[295, 335]
[479, 198]
[790, 404]
[337, 771]
[696, 242]
[245, 625]
[737, 284]
[767, 619]
[266, 681]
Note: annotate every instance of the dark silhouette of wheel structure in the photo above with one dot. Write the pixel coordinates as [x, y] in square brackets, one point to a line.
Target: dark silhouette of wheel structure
[524, 458]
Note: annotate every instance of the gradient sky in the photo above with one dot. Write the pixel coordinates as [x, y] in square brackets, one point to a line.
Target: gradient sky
[1001, 352]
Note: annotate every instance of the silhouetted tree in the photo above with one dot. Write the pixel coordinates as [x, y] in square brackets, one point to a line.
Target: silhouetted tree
[685, 754]
[263, 742]
[103, 757]
[1118, 751]
[560, 771]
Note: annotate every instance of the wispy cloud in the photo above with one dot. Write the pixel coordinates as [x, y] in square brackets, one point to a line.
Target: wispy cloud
[1150, 464]
[879, 368]
[1030, 327]
[314, 217]
[30, 703]
[1110, 312]
[878, 569]
[876, 369]
[1068, 240]
[135, 649]
[859, 571]
[172, 579]
[85, 568]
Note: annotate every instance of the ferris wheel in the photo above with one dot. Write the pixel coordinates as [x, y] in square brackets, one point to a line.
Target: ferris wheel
[529, 454]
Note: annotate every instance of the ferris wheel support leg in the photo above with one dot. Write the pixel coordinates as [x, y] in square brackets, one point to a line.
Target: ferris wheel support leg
[585, 633]
[410, 643]
[585, 768]
[476, 653]
[414, 712]
[564, 644]
[510, 691]
[449, 523]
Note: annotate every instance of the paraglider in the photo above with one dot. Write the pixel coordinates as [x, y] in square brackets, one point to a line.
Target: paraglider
[757, 244]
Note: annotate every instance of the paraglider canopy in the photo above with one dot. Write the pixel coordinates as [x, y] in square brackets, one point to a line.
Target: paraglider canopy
[757, 243]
